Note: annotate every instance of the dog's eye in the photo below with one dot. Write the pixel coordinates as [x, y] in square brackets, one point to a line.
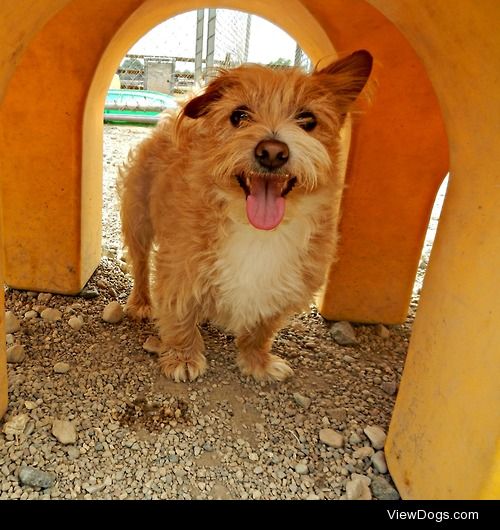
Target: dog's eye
[306, 120]
[239, 115]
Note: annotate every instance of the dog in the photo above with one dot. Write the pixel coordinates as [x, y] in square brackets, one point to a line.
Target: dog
[237, 200]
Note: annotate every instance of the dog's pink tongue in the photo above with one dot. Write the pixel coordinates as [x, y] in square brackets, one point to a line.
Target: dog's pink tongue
[265, 205]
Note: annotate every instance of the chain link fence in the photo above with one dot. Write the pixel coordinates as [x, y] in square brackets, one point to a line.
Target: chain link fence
[185, 51]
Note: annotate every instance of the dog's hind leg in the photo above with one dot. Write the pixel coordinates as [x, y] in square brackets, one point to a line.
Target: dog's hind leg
[137, 236]
[254, 357]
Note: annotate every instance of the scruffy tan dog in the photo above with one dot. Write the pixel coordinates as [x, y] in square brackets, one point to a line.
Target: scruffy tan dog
[238, 200]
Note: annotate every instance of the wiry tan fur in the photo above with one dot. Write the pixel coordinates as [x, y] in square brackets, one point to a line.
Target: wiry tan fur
[181, 202]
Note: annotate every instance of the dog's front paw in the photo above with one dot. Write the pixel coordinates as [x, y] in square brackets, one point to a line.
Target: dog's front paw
[182, 367]
[267, 368]
[138, 307]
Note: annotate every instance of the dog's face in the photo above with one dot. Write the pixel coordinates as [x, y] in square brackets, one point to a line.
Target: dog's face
[268, 137]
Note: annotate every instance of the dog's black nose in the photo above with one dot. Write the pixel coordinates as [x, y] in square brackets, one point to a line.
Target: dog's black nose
[271, 154]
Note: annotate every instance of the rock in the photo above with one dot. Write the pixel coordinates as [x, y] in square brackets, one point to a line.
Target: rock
[11, 322]
[357, 490]
[302, 401]
[382, 331]
[9, 339]
[363, 452]
[30, 314]
[36, 478]
[338, 414]
[153, 345]
[16, 354]
[355, 438]
[89, 294]
[61, 368]
[30, 427]
[363, 478]
[64, 431]
[343, 334]
[376, 436]
[113, 312]
[302, 469]
[331, 438]
[94, 488]
[44, 298]
[16, 425]
[258, 470]
[76, 323]
[382, 490]
[51, 315]
[389, 387]
[379, 463]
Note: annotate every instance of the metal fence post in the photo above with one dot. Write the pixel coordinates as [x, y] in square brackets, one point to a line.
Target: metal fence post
[198, 57]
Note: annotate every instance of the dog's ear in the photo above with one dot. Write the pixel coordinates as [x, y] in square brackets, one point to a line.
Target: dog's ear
[347, 77]
[200, 105]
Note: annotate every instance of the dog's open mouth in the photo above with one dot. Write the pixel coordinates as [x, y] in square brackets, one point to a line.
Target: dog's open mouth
[265, 196]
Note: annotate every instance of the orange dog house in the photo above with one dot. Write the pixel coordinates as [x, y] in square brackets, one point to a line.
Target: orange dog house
[435, 110]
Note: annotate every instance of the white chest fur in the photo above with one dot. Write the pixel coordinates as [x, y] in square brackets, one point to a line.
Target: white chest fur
[258, 273]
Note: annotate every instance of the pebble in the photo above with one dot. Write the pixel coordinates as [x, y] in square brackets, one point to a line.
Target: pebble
[253, 457]
[94, 488]
[16, 354]
[382, 331]
[363, 478]
[16, 425]
[64, 431]
[343, 334]
[363, 452]
[313, 497]
[76, 323]
[379, 463]
[357, 490]
[301, 400]
[355, 438]
[44, 298]
[152, 345]
[89, 294]
[73, 452]
[30, 405]
[30, 314]
[382, 490]
[11, 322]
[9, 339]
[61, 368]
[376, 435]
[51, 314]
[36, 478]
[113, 312]
[302, 469]
[389, 387]
[338, 414]
[331, 438]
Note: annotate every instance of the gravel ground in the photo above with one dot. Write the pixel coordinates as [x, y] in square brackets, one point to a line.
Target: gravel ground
[91, 417]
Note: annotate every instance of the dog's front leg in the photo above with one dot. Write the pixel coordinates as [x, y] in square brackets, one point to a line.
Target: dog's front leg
[182, 355]
[254, 357]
